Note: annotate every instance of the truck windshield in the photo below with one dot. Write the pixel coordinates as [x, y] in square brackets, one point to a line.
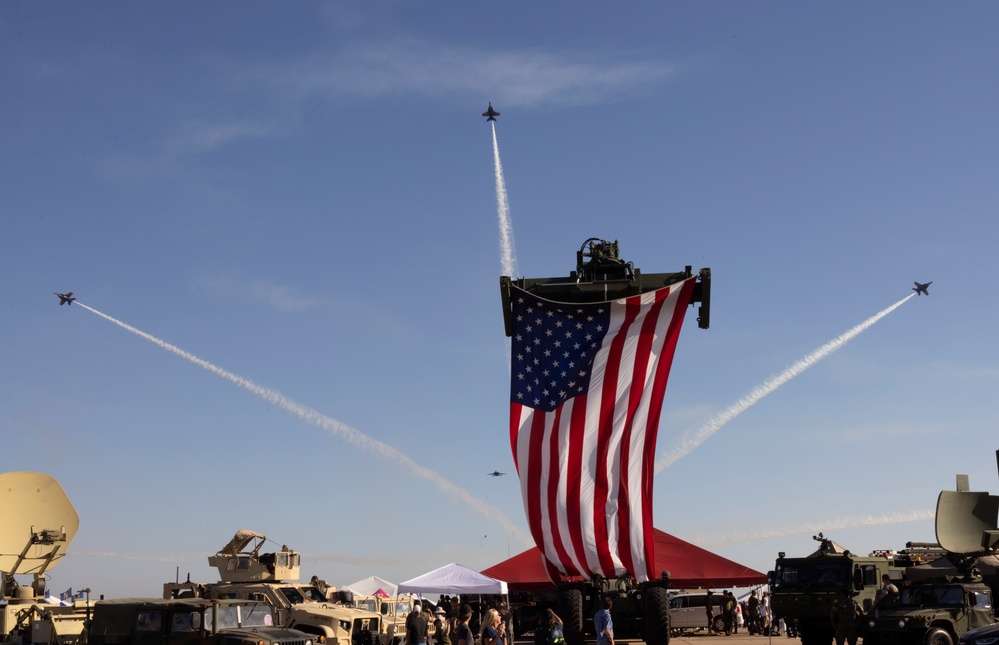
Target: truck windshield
[932, 596]
[256, 615]
[250, 615]
[367, 604]
[812, 575]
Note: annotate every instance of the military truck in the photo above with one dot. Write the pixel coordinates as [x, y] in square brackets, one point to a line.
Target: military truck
[37, 524]
[191, 621]
[250, 574]
[939, 609]
[641, 610]
[803, 589]
[393, 611]
[932, 612]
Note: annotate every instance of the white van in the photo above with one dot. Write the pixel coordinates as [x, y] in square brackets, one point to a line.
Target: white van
[687, 613]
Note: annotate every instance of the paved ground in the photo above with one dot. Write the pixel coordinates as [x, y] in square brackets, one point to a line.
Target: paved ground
[703, 638]
[742, 638]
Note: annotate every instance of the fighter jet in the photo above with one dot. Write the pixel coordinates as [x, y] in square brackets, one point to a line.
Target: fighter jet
[490, 113]
[496, 473]
[65, 298]
[920, 289]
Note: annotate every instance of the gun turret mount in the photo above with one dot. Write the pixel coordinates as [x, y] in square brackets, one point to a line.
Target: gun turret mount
[241, 560]
[602, 275]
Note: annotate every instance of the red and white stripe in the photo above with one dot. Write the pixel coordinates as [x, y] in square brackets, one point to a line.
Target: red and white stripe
[586, 468]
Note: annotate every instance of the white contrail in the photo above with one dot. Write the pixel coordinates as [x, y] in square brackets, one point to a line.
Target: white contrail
[834, 524]
[508, 256]
[336, 429]
[691, 440]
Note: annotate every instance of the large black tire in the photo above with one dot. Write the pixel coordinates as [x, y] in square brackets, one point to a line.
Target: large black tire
[570, 604]
[657, 626]
[937, 636]
[719, 624]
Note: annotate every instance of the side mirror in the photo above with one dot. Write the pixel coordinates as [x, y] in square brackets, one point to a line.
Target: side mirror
[858, 579]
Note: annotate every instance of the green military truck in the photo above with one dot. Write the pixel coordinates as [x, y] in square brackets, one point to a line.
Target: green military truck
[803, 589]
[191, 621]
[932, 612]
[939, 609]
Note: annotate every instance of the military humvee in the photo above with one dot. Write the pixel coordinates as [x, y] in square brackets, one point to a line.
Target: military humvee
[247, 573]
[393, 612]
[191, 621]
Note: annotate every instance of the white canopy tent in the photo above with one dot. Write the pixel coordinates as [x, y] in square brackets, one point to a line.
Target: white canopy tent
[370, 585]
[453, 579]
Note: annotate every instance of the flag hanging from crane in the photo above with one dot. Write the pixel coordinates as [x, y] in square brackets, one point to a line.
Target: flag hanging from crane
[587, 387]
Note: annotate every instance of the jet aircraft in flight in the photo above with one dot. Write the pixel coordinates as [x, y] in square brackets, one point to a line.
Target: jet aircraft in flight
[496, 473]
[921, 289]
[490, 113]
[65, 298]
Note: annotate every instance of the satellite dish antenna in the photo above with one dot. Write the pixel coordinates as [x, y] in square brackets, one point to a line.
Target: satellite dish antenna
[37, 523]
[966, 521]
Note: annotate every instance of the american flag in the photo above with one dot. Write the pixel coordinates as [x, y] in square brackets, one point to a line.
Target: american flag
[587, 386]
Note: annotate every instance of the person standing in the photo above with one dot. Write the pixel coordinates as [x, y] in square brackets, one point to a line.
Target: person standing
[462, 634]
[493, 629]
[417, 628]
[728, 610]
[845, 616]
[603, 624]
[753, 614]
[709, 607]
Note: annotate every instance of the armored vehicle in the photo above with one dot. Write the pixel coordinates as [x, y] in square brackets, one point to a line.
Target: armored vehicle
[250, 574]
[37, 524]
[933, 612]
[192, 621]
[940, 609]
[803, 590]
[393, 612]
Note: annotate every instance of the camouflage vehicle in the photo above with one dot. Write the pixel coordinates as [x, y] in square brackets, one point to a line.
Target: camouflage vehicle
[192, 621]
[393, 612]
[939, 610]
[803, 590]
[933, 612]
[247, 573]
[37, 524]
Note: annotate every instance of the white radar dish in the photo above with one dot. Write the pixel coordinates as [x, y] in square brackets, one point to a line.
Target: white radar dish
[37, 523]
[963, 518]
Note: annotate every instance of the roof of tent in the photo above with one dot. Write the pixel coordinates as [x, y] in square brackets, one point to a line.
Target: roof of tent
[370, 585]
[453, 579]
[689, 567]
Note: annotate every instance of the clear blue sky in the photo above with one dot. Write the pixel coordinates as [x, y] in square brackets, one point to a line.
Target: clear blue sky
[303, 195]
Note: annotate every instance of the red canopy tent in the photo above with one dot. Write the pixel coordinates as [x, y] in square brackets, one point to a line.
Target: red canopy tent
[689, 567]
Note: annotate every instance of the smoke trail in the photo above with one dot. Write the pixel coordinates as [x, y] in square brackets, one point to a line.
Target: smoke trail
[508, 257]
[689, 441]
[335, 428]
[801, 529]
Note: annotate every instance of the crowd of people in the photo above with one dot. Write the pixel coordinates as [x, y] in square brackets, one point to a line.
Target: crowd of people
[452, 622]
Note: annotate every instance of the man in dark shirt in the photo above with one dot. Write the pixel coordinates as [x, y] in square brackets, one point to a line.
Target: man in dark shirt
[417, 628]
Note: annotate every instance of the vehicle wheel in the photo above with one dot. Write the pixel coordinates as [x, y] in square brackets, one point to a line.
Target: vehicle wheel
[937, 636]
[719, 624]
[570, 604]
[656, 621]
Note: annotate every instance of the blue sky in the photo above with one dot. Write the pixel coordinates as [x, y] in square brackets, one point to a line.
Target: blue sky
[303, 195]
